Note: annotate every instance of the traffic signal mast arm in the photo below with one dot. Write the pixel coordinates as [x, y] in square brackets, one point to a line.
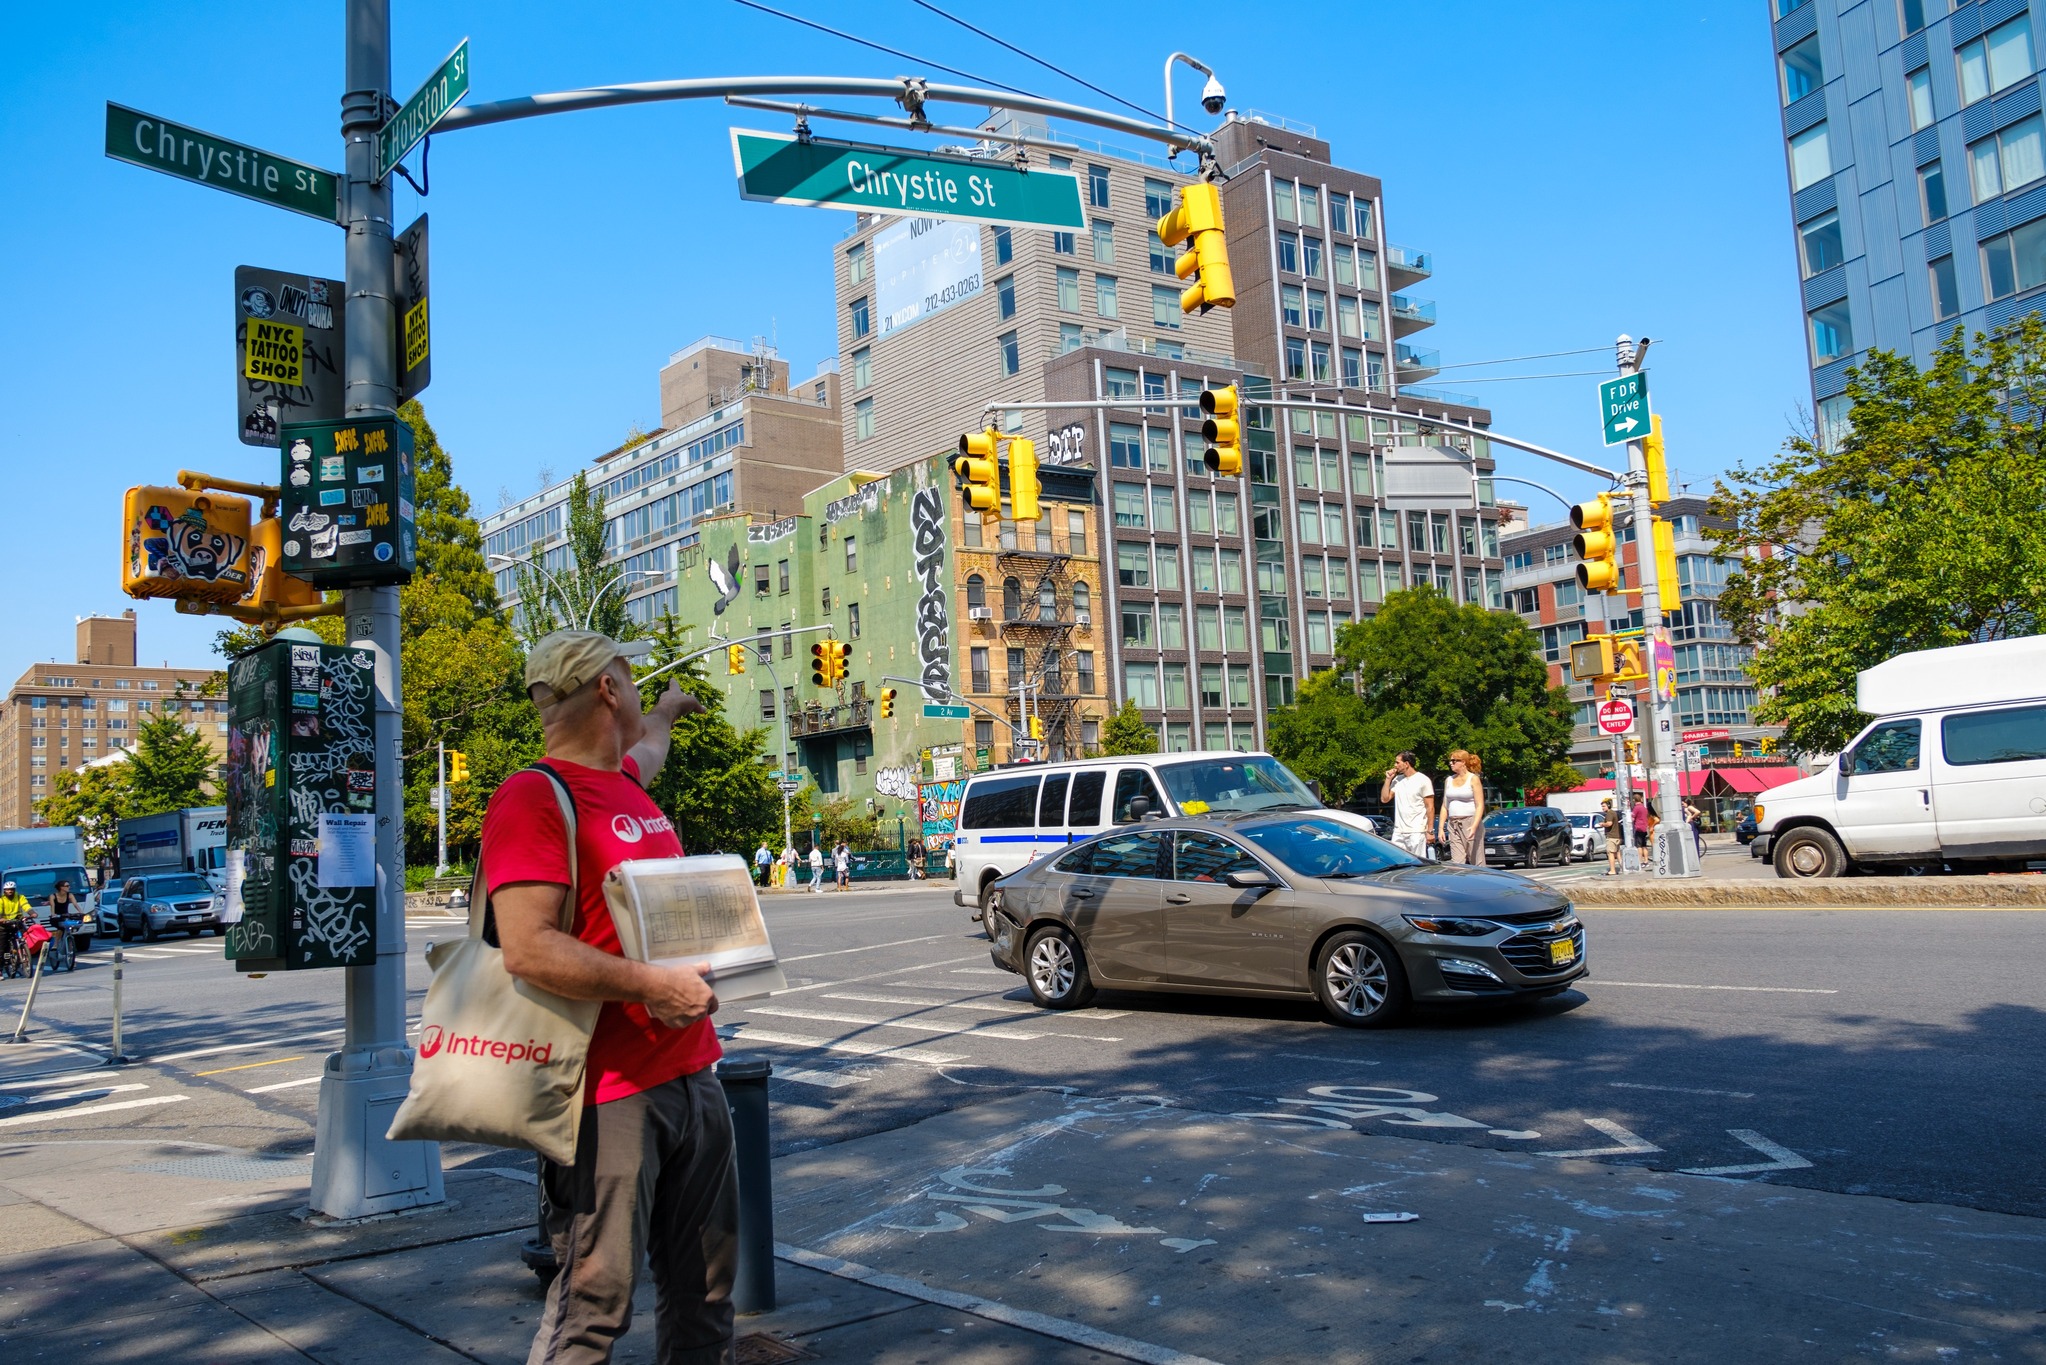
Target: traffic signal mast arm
[955, 699]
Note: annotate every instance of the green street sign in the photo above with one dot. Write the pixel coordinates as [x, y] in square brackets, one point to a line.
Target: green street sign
[429, 103]
[948, 712]
[775, 168]
[1623, 408]
[145, 140]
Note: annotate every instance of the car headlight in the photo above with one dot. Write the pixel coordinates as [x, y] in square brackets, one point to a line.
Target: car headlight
[1450, 927]
[158, 908]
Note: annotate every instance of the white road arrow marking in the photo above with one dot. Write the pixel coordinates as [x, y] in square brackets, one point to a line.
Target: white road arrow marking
[1780, 1158]
[1630, 1144]
[1627, 425]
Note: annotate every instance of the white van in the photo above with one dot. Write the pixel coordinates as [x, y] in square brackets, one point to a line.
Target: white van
[1010, 817]
[1952, 772]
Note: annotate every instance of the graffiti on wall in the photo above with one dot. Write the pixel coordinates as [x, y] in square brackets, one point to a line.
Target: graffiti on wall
[897, 782]
[927, 520]
[725, 576]
[938, 809]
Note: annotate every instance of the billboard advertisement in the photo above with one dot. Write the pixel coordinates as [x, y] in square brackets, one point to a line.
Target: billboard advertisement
[923, 266]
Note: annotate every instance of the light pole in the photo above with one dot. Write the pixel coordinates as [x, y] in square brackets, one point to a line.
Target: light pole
[590, 612]
[559, 592]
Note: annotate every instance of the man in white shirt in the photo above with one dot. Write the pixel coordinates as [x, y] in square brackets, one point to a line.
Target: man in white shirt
[817, 867]
[1412, 794]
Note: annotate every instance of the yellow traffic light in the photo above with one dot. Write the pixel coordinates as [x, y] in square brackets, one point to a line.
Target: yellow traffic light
[1198, 223]
[1023, 482]
[735, 659]
[1037, 727]
[1658, 465]
[1592, 659]
[887, 703]
[820, 664]
[458, 766]
[1222, 432]
[1633, 751]
[1627, 662]
[978, 478]
[1597, 544]
[1665, 564]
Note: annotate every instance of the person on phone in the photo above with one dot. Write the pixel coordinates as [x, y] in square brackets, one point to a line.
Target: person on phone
[654, 1177]
[1412, 794]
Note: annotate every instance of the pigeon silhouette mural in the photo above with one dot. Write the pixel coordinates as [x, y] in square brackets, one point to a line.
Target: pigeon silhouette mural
[725, 578]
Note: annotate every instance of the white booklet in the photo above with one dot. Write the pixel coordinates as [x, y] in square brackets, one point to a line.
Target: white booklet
[695, 910]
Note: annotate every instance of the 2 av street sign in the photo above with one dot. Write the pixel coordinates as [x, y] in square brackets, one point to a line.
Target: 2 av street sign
[1616, 717]
[933, 712]
[775, 168]
[1623, 408]
[429, 104]
[145, 140]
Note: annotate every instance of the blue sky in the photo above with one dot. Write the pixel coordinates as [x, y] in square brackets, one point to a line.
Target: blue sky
[1573, 179]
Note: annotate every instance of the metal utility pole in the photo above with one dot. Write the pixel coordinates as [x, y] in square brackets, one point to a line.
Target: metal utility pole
[1673, 852]
[356, 1170]
[440, 801]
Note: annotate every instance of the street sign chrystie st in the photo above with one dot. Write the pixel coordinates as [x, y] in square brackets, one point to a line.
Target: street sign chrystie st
[429, 103]
[775, 168]
[145, 140]
[1623, 408]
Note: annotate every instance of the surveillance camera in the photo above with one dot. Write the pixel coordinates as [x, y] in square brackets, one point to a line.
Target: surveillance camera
[1212, 96]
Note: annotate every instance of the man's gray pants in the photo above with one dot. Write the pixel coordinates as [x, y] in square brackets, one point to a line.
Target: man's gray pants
[654, 1179]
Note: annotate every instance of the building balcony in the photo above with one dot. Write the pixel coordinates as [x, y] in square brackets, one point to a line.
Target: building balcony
[1411, 315]
[1413, 364]
[1406, 266]
[813, 720]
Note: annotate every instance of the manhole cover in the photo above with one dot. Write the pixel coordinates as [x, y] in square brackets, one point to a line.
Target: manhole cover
[762, 1348]
[233, 1168]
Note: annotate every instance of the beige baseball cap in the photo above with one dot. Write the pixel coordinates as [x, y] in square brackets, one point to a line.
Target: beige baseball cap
[568, 660]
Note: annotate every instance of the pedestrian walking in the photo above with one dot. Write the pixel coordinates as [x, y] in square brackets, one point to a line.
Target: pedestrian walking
[1615, 831]
[654, 1178]
[763, 859]
[1463, 809]
[1696, 818]
[1640, 823]
[916, 861]
[841, 864]
[817, 868]
[1412, 794]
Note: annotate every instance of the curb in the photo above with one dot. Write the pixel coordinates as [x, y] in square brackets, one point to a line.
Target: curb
[1915, 893]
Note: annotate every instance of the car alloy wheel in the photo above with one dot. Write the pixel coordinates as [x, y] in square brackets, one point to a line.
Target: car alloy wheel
[1056, 970]
[1360, 981]
[1534, 855]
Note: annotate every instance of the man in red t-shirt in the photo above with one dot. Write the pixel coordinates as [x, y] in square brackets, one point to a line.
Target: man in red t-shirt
[653, 1174]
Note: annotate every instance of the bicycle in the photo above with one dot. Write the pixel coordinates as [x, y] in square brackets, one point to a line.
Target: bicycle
[62, 955]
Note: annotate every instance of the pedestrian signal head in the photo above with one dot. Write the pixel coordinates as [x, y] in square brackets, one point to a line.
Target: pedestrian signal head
[1592, 659]
[1222, 432]
[1596, 545]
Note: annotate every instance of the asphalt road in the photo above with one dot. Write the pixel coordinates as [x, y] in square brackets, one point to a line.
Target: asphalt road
[1897, 1052]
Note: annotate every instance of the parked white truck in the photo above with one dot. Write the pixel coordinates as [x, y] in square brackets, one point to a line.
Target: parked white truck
[190, 840]
[1951, 773]
[35, 860]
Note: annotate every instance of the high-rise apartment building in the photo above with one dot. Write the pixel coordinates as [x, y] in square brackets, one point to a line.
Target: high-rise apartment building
[60, 715]
[735, 435]
[1917, 163]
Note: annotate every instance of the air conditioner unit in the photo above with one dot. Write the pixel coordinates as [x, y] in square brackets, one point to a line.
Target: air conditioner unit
[1085, 618]
[979, 614]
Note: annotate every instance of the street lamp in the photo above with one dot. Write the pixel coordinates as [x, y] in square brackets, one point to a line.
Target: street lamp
[541, 569]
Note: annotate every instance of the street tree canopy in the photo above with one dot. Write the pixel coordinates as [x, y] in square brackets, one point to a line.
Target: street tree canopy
[1431, 676]
[96, 800]
[170, 766]
[714, 785]
[1128, 733]
[1921, 527]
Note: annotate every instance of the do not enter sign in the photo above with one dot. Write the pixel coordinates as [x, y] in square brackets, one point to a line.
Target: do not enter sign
[1616, 717]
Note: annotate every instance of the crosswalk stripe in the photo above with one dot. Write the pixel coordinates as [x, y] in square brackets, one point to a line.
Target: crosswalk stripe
[831, 1080]
[1002, 1031]
[80, 1113]
[90, 1092]
[1006, 1007]
[281, 1085]
[62, 1078]
[749, 1034]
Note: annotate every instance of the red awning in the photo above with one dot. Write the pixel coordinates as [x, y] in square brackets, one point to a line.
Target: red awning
[1754, 781]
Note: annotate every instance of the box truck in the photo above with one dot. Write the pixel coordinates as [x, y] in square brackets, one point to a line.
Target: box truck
[189, 840]
[1951, 773]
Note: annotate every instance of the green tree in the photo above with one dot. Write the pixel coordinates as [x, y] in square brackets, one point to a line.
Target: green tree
[94, 799]
[450, 543]
[1431, 676]
[171, 764]
[1920, 527]
[582, 590]
[714, 785]
[1127, 732]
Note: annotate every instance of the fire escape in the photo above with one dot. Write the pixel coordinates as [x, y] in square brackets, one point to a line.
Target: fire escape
[1037, 617]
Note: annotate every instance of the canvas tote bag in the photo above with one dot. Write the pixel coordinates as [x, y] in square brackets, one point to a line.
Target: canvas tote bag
[500, 1061]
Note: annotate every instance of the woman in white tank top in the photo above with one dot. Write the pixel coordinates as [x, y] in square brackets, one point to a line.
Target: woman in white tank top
[1463, 809]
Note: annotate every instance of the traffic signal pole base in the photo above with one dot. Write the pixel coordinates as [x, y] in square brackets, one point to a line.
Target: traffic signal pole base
[1677, 851]
[357, 1171]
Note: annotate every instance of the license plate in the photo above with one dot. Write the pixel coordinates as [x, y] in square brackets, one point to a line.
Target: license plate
[1562, 952]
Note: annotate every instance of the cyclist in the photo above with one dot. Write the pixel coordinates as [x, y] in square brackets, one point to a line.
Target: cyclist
[64, 919]
[16, 914]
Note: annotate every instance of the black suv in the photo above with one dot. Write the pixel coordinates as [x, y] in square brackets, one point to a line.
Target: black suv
[1529, 835]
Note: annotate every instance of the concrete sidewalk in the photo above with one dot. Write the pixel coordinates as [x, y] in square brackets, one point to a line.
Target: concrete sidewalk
[1048, 1228]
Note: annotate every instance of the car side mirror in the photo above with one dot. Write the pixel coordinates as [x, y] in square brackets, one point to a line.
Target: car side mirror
[1314, 786]
[1845, 763]
[1254, 880]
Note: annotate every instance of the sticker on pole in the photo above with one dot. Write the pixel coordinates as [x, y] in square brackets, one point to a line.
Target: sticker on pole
[1616, 717]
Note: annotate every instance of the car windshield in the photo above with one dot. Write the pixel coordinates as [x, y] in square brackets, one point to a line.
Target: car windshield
[1510, 819]
[176, 886]
[1320, 847]
[1201, 786]
[1582, 821]
[38, 883]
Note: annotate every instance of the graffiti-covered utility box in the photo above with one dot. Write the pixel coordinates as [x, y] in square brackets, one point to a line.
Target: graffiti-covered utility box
[301, 807]
[177, 543]
[347, 503]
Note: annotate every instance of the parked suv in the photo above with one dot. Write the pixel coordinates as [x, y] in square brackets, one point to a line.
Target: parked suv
[1529, 835]
[151, 907]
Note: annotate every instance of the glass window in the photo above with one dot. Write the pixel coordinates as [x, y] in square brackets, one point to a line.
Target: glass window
[1912, 12]
[1310, 257]
[1310, 524]
[856, 263]
[1174, 695]
[1231, 563]
[1821, 240]
[1303, 465]
[1200, 512]
[1202, 857]
[1011, 354]
[1120, 383]
[1346, 318]
[1339, 579]
[1104, 296]
[1811, 158]
[1919, 86]
[1164, 515]
[1129, 506]
[1239, 685]
[2012, 158]
[1104, 242]
[1321, 847]
[1203, 566]
[1832, 332]
[863, 419]
[1312, 577]
[1353, 368]
[1946, 293]
[1364, 230]
[1069, 337]
[1097, 186]
[1132, 564]
[1339, 212]
[1331, 462]
[1005, 294]
[1130, 784]
[1317, 633]
[1137, 625]
[1168, 568]
[852, 554]
[1317, 311]
[1084, 671]
[1158, 447]
[863, 368]
[1005, 246]
[1076, 531]
[1207, 627]
[1062, 244]
[2016, 735]
[1125, 445]
[1296, 358]
[1124, 855]
[1158, 199]
[1283, 203]
[2015, 261]
[1310, 206]
[1235, 630]
[1291, 311]
[861, 322]
[1171, 630]
[1227, 520]
[1373, 329]
[1069, 289]
[1332, 523]
[1139, 681]
[1891, 747]
[1000, 803]
[1289, 253]
[1211, 685]
[1801, 70]
[1165, 310]
[1999, 59]
[1345, 264]
[1932, 191]
[1323, 368]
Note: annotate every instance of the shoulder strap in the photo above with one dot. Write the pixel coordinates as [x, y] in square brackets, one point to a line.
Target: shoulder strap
[481, 922]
